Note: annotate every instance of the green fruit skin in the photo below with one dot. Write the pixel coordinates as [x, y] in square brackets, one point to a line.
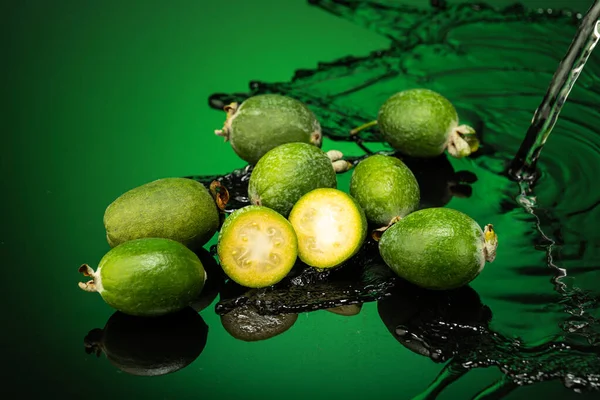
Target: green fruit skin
[172, 208]
[434, 248]
[265, 121]
[288, 172]
[417, 122]
[385, 188]
[150, 277]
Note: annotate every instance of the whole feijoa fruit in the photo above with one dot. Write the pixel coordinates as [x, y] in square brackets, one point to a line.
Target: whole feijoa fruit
[147, 277]
[180, 209]
[150, 346]
[423, 123]
[330, 225]
[265, 121]
[385, 188]
[438, 248]
[286, 173]
[257, 247]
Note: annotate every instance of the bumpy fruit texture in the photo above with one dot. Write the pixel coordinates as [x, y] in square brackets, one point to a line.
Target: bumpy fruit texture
[385, 188]
[148, 277]
[435, 248]
[172, 208]
[330, 226]
[417, 122]
[263, 122]
[286, 173]
[257, 247]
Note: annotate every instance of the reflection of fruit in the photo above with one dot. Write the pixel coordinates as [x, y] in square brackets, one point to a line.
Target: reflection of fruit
[257, 247]
[171, 208]
[147, 277]
[288, 172]
[265, 121]
[433, 323]
[438, 182]
[423, 123]
[150, 346]
[244, 323]
[330, 226]
[347, 310]
[437, 248]
[214, 280]
[385, 189]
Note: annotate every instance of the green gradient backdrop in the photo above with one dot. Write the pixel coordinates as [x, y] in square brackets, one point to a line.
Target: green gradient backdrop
[103, 96]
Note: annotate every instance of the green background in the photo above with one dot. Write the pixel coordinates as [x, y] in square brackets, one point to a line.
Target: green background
[103, 96]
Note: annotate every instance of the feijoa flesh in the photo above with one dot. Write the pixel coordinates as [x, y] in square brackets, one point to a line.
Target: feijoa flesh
[423, 123]
[286, 173]
[257, 247]
[150, 346]
[172, 208]
[330, 225]
[438, 248]
[147, 277]
[265, 121]
[385, 188]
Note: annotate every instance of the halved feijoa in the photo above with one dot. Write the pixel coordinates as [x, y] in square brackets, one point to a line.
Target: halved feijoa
[147, 277]
[257, 247]
[330, 225]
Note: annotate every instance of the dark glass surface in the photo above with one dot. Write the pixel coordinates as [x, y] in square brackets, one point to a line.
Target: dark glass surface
[103, 97]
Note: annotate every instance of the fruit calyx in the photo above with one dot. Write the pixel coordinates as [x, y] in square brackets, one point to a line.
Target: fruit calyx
[230, 109]
[339, 165]
[220, 194]
[377, 233]
[93, 342]
[490, 243]
[92, 285]
[462, 141]
[316, 138]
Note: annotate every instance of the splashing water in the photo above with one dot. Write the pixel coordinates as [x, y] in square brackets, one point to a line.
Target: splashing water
[494, 65]
[546, 115]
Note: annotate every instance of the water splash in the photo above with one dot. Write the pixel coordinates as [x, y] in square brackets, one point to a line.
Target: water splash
[494, 65]
[546, 115]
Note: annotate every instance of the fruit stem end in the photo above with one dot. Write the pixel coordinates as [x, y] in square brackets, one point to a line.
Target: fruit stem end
[462, 141]
[490, 243]
[230, 109]
[89, 286]
[363, 127]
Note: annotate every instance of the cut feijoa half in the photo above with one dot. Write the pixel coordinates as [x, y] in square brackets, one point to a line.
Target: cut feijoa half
[147, 277]
[438, 248]
[257, 247]
[330, 225]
